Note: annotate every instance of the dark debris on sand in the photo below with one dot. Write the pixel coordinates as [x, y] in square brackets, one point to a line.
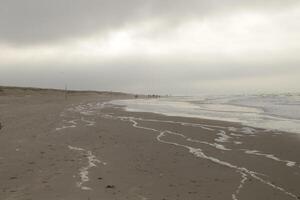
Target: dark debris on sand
[110, 186]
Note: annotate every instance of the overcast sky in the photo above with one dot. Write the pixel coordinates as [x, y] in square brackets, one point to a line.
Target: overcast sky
[152, 46]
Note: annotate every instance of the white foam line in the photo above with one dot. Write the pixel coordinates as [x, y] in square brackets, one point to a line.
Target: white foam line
[197, 125]
[236, 135]
[270, 156]
[83, 109]
[237, 142]
[215, 145]
[198, 153]
[84, 171]
[135, 124]
[87, 113]
[234, 129]
[242, 183]
[245, 130]
[64, 127]
[223, 137]
[72, 122]
[107, 116]
[205, 126]
[248, 130]
[87, 109]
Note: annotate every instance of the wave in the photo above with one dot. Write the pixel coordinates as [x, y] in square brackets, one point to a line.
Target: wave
[276, 112]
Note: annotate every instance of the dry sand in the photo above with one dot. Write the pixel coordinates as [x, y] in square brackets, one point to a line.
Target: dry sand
[81, 148]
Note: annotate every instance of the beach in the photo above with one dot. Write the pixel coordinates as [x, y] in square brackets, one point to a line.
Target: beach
[80, 146]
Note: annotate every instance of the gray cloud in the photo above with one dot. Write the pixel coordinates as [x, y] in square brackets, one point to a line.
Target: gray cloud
[43, 21]
[218, 54]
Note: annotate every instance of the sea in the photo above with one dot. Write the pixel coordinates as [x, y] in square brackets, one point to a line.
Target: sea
[268, 111]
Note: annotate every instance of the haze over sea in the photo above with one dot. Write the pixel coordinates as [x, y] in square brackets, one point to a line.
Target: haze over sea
[269, 111]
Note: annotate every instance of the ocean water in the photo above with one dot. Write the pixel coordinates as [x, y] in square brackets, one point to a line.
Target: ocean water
[269, 111]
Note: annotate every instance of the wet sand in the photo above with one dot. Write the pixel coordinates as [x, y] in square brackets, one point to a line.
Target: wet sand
[85, 148]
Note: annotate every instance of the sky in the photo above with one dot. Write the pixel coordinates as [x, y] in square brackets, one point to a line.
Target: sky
[174, 47]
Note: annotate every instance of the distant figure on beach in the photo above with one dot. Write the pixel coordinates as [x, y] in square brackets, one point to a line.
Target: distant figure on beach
[153, 96]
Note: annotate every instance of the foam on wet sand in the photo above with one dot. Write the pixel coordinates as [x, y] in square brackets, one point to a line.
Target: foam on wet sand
[149, 156]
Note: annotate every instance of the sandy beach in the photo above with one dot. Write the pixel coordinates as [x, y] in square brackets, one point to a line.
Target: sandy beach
[84, 148]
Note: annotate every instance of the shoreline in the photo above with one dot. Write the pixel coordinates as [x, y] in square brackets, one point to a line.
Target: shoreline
[85, 148]
[250, 118]
[210, 120]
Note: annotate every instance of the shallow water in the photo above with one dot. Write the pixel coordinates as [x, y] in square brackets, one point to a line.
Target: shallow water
[280, 112]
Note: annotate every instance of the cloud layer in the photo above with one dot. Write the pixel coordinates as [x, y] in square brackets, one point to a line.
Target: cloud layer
[154, 46]
[41, 21]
